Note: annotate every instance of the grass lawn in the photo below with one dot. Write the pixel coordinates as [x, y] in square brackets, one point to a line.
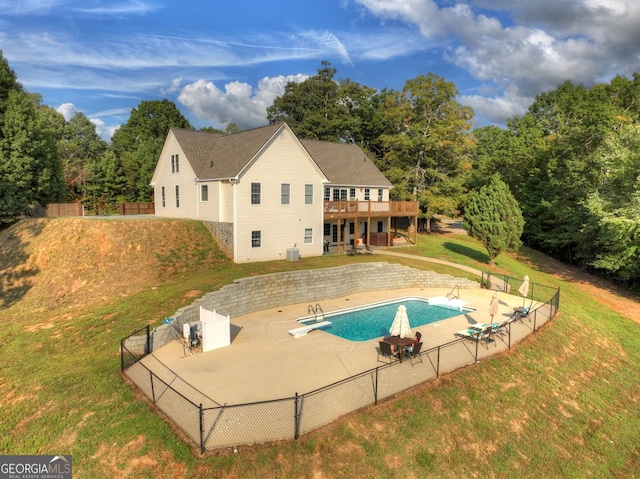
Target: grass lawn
[565, 403]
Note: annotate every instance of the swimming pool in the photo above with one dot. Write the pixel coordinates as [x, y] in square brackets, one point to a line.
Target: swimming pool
[374, 320]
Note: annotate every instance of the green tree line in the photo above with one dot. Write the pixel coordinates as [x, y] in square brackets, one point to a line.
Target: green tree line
[571, 164]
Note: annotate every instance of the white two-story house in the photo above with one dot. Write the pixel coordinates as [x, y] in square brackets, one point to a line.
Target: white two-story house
[265, 194]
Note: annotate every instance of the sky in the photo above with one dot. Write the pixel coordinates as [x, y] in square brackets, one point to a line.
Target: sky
[222, 62]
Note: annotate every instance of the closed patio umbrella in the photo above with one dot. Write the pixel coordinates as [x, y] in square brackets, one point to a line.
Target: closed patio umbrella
[524, 289]
[493, 307]
[400, 326]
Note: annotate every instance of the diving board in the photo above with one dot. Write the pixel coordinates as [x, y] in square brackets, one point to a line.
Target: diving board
[297, 332]
[448, 302]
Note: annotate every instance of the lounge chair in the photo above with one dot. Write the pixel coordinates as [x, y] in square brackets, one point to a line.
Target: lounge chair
[386, 350]
[497, 328]
[520, 313]
[483, 334]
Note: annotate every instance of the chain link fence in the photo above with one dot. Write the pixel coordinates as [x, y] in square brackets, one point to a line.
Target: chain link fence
[212, 426]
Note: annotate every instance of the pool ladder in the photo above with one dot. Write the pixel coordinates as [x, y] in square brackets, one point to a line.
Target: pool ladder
[317, 310]
[451, 295]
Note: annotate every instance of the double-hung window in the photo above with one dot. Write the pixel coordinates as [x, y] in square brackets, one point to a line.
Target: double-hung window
[256, 239]
[175, 164]
[327, 193]
[204, 192]
[352, 194]
[308, 236]
[380, 194]
[164, 198]
[367, 194]
[308, 194]
[177, 196]
[255, 193]
[285, 194]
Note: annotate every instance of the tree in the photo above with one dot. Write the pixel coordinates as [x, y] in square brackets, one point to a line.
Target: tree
[321, 108]
[30, 170]
[80, 149]
[428, 140]
[137, 144]
[613, 229]
[493, 217]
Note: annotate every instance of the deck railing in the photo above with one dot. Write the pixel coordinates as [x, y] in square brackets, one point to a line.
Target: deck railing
[366, 208]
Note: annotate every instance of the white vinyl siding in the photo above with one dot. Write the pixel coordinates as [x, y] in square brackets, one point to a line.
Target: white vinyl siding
[282, 161]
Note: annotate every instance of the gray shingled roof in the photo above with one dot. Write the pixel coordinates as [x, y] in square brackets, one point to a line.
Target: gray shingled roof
[345, 164]
[217, 155]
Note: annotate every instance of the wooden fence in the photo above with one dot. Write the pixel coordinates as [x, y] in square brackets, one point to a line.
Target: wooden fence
[137, 208]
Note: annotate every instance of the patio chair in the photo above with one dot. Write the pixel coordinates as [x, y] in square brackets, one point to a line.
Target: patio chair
[385, 350]
[415, 353]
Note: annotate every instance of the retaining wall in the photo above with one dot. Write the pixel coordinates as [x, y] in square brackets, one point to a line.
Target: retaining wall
[268, 291]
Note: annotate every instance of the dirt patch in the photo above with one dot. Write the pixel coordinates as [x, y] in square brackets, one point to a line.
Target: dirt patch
[47, 264]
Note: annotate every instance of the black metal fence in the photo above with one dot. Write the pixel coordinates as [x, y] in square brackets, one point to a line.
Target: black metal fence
[211, 426]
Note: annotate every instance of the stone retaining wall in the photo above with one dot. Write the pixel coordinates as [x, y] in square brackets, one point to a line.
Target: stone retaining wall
[268, 291]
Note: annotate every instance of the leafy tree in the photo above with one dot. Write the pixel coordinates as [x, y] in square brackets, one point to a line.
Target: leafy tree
[321, 108]
[493, 217]
[232, 128]
[137, 144]
[428, 140]
[80, 149]
[105, 185]
[613, 228]
[30, 171]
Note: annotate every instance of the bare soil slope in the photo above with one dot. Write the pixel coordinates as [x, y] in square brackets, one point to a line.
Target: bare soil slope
[72, 262]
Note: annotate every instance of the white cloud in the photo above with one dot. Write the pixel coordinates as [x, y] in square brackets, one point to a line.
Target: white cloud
[239, 102]
[67, 110]
[527, 47]
[105, 132]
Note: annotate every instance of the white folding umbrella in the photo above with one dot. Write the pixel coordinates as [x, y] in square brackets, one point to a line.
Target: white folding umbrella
[400, 326]
[493, 307]
[524, 289]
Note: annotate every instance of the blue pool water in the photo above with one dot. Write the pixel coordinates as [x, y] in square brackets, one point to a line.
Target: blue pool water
[374, 321]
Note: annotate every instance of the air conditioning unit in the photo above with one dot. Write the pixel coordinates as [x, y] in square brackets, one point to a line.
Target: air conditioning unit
[293, 254]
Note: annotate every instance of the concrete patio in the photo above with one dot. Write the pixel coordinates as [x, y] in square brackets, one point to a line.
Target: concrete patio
[264, 362]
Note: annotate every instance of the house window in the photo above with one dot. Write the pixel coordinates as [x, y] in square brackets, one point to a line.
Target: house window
[256, 239]
[367, 194]
[255, 193]
[352, 228]
[352, 194]
[175, 164]
[177, 196]
[308, 235]
[308, 194]
[327, 229]
[336, 194]
[204, 192]
[380, 227]
[380, 194]
[343, 194]
[285, 194]
[164, 197]
[327, 193]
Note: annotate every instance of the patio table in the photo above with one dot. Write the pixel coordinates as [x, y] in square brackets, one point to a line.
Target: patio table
[400, 343]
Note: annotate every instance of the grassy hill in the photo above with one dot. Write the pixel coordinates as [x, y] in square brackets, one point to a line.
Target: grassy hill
[566, 403]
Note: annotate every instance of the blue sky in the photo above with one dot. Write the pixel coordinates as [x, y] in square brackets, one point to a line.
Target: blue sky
[226, 61]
